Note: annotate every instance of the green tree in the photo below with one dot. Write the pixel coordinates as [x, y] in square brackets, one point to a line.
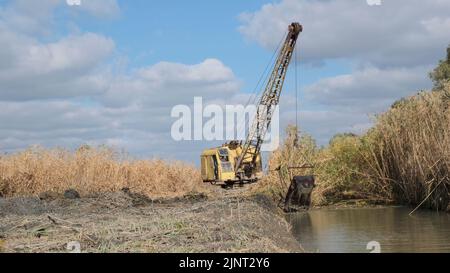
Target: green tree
[441, 74]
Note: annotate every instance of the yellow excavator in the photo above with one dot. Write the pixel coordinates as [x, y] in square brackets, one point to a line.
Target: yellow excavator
[240, 162]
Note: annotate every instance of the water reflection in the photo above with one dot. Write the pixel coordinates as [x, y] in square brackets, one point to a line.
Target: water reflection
[350, 230]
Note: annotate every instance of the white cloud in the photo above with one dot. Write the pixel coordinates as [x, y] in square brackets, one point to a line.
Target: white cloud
[101, 8]
[397, 33]
[368, 89]
[349, 103]
[28, 16]
[37, 17]
[66, 68]
[168, 84]
[30, 69]
[324, 124]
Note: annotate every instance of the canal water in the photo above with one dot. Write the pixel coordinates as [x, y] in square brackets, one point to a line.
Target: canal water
[386, 230]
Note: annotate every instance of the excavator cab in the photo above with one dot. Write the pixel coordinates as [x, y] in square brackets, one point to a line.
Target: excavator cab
[216, 165]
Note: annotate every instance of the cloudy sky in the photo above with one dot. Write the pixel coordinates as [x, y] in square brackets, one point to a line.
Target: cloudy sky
[110, 71]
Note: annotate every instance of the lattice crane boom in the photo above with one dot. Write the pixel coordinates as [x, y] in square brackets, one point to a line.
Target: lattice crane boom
[268, 101]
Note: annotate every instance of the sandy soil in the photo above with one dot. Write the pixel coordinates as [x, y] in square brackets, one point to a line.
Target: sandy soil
[127, 222]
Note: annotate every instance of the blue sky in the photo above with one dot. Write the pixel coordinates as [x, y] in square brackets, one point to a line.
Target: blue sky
[147, 32]
[110, 71]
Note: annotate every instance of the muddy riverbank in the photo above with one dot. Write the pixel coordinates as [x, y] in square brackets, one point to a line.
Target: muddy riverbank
[126, 222]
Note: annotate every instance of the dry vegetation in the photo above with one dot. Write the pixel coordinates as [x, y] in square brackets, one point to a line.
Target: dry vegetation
[125, 222]
[91, 171]
[337, 168]
[409, 149]
[127, 206]
[403, 159]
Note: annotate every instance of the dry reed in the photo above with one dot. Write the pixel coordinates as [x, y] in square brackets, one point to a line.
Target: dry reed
[410, 150]
[403, 159]
[91, 171]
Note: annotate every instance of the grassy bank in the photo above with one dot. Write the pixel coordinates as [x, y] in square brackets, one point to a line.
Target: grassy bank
[92, 171]
[126, 222]
[403, 159]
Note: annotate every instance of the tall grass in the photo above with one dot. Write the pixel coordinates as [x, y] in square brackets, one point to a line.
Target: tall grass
[90, 171]
[403, 159]
[410, 150]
